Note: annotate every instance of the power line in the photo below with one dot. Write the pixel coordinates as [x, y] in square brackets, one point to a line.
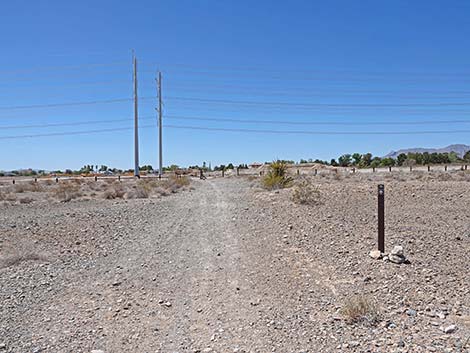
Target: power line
[328, 77]
[302, 93]
[77, 123]
[83, 132]
[66, 67]
[281, 132]
[325, 122]
[179, 66]
[51, 105]
[350, 105]
[302, 132]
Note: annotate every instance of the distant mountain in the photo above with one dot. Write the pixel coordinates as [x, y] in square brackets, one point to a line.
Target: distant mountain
[459, 149]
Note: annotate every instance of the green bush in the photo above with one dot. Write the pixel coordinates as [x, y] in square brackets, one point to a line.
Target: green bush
[277, 176]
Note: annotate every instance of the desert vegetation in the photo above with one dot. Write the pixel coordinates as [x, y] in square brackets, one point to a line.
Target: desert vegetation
[277, 177]
[25, 192]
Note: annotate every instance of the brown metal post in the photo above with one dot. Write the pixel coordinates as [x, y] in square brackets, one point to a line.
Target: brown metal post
[238, 171]
[56, 180]
[223, 173]
[298, 172]
[445, 168]
[390, 168]
[13, 181]
[315, 172]
[373, 169]
[411, 168]
[381, 218]
[429, 168]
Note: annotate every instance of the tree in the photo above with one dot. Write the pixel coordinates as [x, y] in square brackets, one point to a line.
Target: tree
[334, 163]
[466, 156]
[366, 159]
[375, 162]
[401, 158]
[356, 158]
[344, 160]
[387, 162]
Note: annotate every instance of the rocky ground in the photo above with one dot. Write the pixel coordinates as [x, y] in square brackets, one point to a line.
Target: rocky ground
[229, 267]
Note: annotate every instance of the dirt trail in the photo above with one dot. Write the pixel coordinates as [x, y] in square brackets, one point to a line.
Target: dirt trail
[191, 274]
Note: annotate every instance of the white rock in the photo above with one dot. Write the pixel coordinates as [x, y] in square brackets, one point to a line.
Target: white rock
[397, 250]
[97, 351]
[449, 329]
[375, 254]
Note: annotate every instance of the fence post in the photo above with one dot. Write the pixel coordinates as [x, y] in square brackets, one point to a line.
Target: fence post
[390, 168]
[445, 168]
[298, 172]
[429, 168]
[223, 173]
[411, 168]
[56, 180]
[373, 169]
[354, 171]
[96, 178]
[119, 177]
[381, 218]
[315, 171]
[238, 171]
[13, 181]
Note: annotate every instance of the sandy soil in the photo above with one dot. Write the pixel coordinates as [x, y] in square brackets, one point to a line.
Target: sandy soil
[229, 267]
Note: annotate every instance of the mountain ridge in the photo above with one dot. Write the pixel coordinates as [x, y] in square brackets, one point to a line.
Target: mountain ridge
[460, 149]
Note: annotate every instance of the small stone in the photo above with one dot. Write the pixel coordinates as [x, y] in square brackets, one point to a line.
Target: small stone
[116, 283]
[401, 343]
[449, 329]
[375, 254]
[411, 312]
[397, 250]
[97, 351]
[396, 259]
[167, 304]
[3, 346]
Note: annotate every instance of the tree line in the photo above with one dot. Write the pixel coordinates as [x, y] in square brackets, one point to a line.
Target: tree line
[413, 158]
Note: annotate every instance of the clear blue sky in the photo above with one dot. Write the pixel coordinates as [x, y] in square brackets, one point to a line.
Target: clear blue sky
[339, 61]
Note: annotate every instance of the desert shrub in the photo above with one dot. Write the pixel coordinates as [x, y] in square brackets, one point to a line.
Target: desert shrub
[306, 193]
[114, 191]
[139, 192]
[7, 196]
[26, 200]
[277, 177]
[360, 308]
[30, 186]
[65, 192]
[162, 191]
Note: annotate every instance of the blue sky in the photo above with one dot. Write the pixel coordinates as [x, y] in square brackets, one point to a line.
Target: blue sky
[298, 61]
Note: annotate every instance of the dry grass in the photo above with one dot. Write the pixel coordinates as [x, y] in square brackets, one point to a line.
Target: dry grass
[65, 192]
[360, 308]
[306, 193]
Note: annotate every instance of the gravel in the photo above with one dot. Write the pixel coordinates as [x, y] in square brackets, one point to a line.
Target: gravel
[228, 267]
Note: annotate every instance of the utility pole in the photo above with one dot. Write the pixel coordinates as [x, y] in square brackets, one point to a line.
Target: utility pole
[160, 127]
[136, 122]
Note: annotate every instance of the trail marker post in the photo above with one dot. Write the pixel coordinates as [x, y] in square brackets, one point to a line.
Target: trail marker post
[381, 218]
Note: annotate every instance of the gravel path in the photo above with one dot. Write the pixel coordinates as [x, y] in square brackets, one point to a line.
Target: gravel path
[226, 268]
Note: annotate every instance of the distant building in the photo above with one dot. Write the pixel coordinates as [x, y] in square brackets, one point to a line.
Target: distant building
[255, 165]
